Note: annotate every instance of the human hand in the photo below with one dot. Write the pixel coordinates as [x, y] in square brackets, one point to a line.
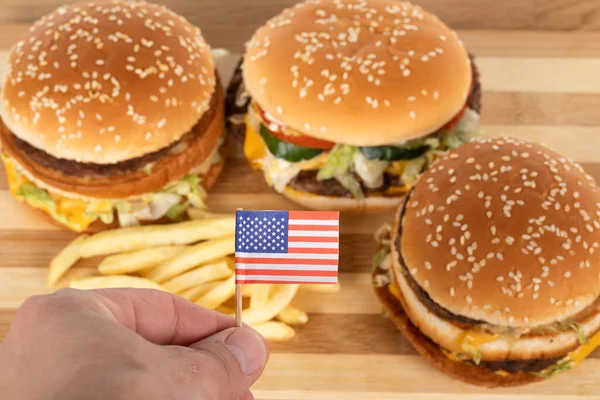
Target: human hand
[126, 344]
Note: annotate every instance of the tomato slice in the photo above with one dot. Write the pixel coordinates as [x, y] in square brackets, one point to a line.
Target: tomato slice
[297, 138]
[454, 120]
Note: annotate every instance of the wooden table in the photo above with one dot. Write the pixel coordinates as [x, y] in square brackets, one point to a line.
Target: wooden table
[540, 62]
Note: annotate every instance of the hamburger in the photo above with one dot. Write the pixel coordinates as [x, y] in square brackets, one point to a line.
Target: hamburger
[112, 114]
[342, 104]
[491, 267]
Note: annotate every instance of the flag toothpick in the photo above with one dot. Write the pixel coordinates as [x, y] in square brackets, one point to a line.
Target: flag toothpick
[285, 247]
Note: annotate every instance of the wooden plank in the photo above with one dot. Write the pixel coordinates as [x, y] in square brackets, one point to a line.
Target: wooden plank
[356, 297]
[540, 75]
[486, 42]
[402, 377]
[520, 108]
[481, 42]
[217, 16]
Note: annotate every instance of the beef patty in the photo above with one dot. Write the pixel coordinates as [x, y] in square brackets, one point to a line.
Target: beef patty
[80, 169]
[306, 181]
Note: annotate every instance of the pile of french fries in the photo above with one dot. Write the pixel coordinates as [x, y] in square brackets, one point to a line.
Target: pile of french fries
[193, 259]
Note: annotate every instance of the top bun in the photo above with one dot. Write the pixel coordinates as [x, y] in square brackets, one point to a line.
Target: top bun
[107, 81]
[505, 231]
[359, 72]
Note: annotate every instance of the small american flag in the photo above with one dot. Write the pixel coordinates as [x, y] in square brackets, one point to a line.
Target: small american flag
[287, 246]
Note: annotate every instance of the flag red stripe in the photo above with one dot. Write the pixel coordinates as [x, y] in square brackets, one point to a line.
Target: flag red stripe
[278, 272]
[284, 282]
[313, 228]
[313, 239]
[327, 215]
[312, 251]
[284, 261]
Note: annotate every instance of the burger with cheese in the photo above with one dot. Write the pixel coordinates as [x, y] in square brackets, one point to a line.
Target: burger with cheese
[492, 266]
[111, 115]
[344, 103]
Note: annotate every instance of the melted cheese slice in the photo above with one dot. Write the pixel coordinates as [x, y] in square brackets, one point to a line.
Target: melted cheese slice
[583, 351]
[475, 339]
[254, 147]
[74, 211]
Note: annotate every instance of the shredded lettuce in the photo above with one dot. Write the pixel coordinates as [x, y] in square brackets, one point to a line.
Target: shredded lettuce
[413, 170]
[579, 331]
[177, 211]
[553, 370]
[370, 171]
[473, 351]
[379, 257]
[35, 195]
[189, 187]
[339, 162]
[338, 167]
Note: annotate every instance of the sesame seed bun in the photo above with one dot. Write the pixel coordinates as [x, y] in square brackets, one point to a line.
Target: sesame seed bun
[107, 81]
[370, 204]
[337, 69]
[505, 231]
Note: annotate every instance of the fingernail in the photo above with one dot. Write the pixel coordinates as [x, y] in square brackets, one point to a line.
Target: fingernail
[249, 349]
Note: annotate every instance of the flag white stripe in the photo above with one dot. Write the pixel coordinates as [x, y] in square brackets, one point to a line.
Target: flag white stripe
[286, 267]
[293, 232]
[322, 222]
[292, 256]
[313, 245]
[300, 279]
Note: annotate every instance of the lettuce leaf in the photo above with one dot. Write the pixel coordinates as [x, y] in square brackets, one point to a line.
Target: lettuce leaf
[379, 256]
[413, 170]
[553, 370]
[35, 195]
[176, 212]
[338, 167]
[338, 163]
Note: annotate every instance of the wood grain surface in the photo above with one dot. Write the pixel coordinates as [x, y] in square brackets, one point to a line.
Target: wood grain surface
[540, 63]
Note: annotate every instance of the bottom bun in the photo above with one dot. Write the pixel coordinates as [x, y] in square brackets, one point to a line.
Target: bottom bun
[370, 204]
[466, 372]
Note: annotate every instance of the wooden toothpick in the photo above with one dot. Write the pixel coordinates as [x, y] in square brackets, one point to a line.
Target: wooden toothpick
[238, 298]
[238, 305]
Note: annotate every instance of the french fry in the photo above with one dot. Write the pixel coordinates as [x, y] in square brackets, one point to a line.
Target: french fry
[260, 295]
[138, 260]
[194, 293]
[192, 256]
[206, 273]
[292, 316]
[114, 281]
[281, 296]
[225, 310]
[219, 295]
[198, 213]
[276, 331]
[142, 237]
[64, 260]
[322, 288]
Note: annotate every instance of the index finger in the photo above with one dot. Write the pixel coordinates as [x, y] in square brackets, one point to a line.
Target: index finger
[161, 318]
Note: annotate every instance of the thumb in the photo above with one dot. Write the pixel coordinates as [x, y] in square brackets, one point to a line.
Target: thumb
[235, 358]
